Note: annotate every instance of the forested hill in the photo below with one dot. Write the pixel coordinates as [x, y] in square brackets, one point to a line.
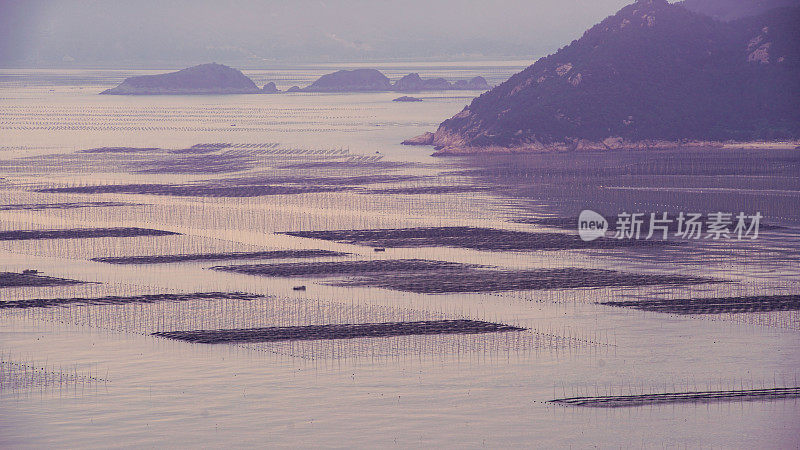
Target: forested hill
[653, 71]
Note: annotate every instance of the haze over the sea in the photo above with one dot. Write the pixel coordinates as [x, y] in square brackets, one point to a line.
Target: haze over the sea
[244, 32]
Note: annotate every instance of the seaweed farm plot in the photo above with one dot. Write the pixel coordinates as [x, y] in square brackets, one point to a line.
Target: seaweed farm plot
[122, 300]
[81, 233]
[49, 206]
[201, 164]
[619, 401]
[150, 313]
[716, 305]
[345, 268]
[439, 277]
[315, 178]
[338, 331]
[468, 237]
[18, 376]
[256, 185]
[192, 119]
[182, 245]
[12, 279]
[223, 159]
[475, 280]
[476, 347]
[194, 149]
[430, 190]
[199, 159]
[194, 189]
[228, 161]
[352, 162]
[269, 254]
[303, 328]
[122, 150]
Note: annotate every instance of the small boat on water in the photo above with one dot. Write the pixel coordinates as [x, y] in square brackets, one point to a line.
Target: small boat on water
[299, 288]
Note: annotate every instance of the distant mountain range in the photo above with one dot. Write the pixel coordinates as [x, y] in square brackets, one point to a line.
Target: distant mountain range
[653, 75]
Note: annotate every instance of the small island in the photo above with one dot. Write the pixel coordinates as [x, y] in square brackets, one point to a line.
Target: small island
[413, 82]
[372, 80]
[406, 98]
[270, 88]
[203, 79]
[351, 81]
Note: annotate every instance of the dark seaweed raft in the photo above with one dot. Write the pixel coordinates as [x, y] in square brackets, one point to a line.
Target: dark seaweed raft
[122, 150]
[195, 190]
[202, 163]
[344, 268]
[618, 401]
[422, 190]
[11, 279]
[80, 233]
[249, 186]
[439, 277]
[468, 237]
[475, 280]
[716, 305]
[273, 254]
[73, 205]
[338, 331]
[118, 300]
[365, 162]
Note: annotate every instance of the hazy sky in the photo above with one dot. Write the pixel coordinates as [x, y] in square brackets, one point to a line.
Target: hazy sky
[151, 32]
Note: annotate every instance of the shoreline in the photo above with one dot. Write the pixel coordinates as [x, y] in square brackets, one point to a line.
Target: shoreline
[444, 148]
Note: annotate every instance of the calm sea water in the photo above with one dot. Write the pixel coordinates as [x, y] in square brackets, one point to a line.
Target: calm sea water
[109, 383]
